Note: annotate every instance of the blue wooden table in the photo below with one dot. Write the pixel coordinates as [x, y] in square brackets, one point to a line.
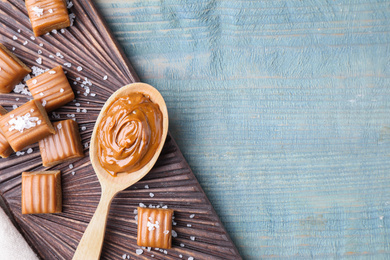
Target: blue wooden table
[282, 109]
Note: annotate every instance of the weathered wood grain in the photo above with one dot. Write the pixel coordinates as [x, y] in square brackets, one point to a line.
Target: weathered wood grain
[171, 182]
[282, 111]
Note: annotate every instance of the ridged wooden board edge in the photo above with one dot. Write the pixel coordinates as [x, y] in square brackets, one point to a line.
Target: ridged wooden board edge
[90, 45]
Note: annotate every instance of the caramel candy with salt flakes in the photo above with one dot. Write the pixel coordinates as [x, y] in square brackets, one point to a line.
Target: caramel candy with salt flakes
[47, 15]
[51, 88]
[41, 192]
[26, 125]
[12, 70]
[64, 145]
[5, 148]
[154, 227]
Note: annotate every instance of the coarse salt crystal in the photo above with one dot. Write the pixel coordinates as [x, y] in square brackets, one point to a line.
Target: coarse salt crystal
[29, 150]
[164, 207]
[62, 30]
[135, 211]
[174, 234]
[182, 245]
[43, 103]
[52, 72]
[93, 94]
[79, 68]
[68, 64]
[71, 166]
[190, 258]
[19, 153]
[146, 186]
[41, 94]
[189, 225]
[151, 195]
[70, 4]
[51, 56]
[152, 226]
[86, 145]
[17, 99]
[77, 104]
[34, 81]
[14, 106]
[165, 252]
[181, 256]
[19, 30]
[142, 205]
[32, 38]
[83, 128]
[13, 48]
[20, 123]
[61, 90]
[39, 60]
[84, 110]
[54, 31]
[105, 77]
[192, 215]
[78, 110]
[139, 251]
[41, 44]
[192, 238]
[25, 43]
[39, 52]
[50, 10]
[72, 17]
[32, 110]
[166, 232]
[73, 173]
[12, 116]
[59, 126]
[14, 38]
[124, 256]
[38, 11]
[39, 122]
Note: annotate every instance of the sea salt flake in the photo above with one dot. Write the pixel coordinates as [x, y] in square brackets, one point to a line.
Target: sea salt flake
[41, 94]
[13, 48]
[62, 30]
[54, 31]
[19, 30]
[39, 122]
[166, 232]
[192, 215]
[84, 110]
[14, 38]
[19, 153]
[135, 211]
[182, 245]
[61, 90]
[34, 81]
[164, 207]
[39, 52]
[146, 186]
[190, 258]
[14, 106]
[17, 99]
[29, 150]
[83, 128]
[70, 4]
[41, 44]
[79, 68]
[71, 166]
[165, 252]
[50, 10]
[72, 17]
[51, 56]
[68, 64]
[139, 251]
[59, 126]
[52, 72]
[124, 256]
[73, 173]
[43, 103]
[151, 195]
[152, 226]
[38, 11]
[93, 94]
[189, 225]
[192, 238]
[21, 123]
[39, 60]
[105, 77]
[25, 43]
[32, 38]
[181, 256]
[142, 205]
[174, 234]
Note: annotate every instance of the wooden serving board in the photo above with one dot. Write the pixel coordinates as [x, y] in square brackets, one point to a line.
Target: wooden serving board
[90, 45]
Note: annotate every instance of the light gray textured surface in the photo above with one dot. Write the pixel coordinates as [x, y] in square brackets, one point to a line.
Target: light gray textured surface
[281, 109]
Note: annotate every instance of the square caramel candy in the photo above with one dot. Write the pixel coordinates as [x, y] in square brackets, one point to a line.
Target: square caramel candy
[12, 70]
[41, 192]
[47, 15]
[154, 227]
[26, 125]
[5, 148]
[51, 88]
[64, 145]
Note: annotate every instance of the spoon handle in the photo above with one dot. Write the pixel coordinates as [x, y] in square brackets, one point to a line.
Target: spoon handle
[90, 245]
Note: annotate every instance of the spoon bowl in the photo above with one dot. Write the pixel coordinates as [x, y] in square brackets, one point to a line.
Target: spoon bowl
[91, 243]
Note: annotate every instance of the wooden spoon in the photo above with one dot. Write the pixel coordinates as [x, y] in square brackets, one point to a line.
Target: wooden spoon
[91, 243]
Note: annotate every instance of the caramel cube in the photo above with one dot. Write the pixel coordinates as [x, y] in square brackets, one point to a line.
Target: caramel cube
[47, 15]
[41, 192]
[5, 148]
[64, 145]
[51, 88]
[12, 70]
[154, 227]
[26, 125]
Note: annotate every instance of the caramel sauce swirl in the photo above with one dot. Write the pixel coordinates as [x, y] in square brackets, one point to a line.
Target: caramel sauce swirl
[129, 134]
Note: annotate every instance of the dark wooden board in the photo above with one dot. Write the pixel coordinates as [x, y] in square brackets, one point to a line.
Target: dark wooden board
[89, 44]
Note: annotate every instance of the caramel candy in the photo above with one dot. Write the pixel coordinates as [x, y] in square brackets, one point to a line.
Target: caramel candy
[64, 145]
[26, 125]
[5, 148]
[12, 70]
[51, 88]
[154, 227]
[47, 15]
[41, 192]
